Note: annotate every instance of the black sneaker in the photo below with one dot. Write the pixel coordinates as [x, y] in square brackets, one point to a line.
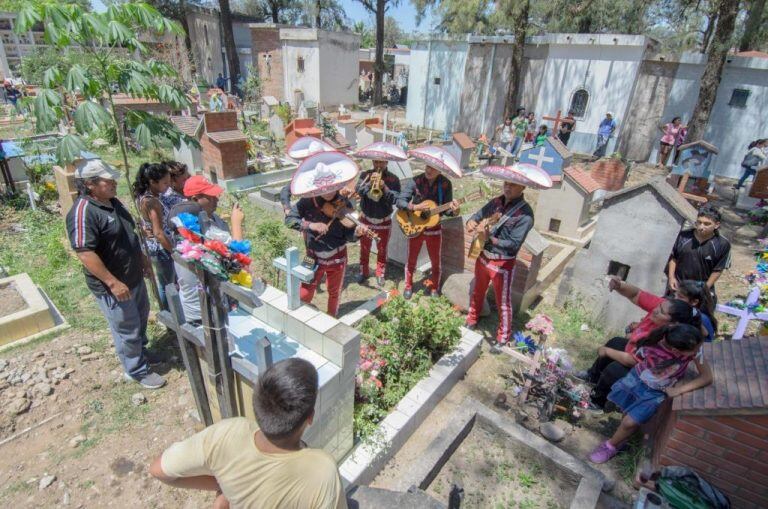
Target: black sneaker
[407, 294]
[361, 279]
[380, 281]
[148, 381]
[470, 326]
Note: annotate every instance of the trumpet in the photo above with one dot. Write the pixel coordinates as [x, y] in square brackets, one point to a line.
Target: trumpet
[376, 192]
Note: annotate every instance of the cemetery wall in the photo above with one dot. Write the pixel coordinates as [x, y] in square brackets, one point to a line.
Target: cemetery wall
[308, 80]
[732, 127]
[265, 40]
[339, 69]
[608, 73]
[646, 109]
[205, 34]
[436, 105]
[487, 68]
[534, 63]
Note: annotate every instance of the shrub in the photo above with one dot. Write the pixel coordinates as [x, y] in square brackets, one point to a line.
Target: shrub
[398, 349]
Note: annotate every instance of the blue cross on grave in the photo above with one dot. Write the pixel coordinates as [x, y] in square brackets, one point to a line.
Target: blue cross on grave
[295, 273]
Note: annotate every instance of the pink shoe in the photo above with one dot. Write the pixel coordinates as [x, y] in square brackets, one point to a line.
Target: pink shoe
[603, 453]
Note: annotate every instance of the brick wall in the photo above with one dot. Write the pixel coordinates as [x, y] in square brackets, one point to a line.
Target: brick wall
[226, 160]
[266, 41]
[221, 121]
[730, 451]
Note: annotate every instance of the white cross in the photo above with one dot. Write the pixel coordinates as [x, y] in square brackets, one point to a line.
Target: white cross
[295, 273]
[540, 159]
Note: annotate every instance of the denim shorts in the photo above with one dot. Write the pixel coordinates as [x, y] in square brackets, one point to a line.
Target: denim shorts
[635, 398]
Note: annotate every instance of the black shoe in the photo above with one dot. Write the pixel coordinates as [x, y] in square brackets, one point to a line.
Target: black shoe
[362, 279]
[407, 294]
[380, 281]
[495, 347]
[470, 326]
[434, 293]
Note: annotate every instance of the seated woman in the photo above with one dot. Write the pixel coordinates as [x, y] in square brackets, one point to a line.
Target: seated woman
[606, 371]
[698, 295]
[660, 361]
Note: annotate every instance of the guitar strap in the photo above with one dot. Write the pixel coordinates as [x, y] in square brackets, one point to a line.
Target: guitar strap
[508, 215]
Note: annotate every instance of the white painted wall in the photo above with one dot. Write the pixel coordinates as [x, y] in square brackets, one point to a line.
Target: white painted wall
[307, 81]
[730, 128]
[339, 69]
[607, 72]
[430, 105]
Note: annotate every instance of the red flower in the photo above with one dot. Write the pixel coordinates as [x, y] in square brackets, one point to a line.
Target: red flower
[190, 235]
[217, 247]
[241, 258]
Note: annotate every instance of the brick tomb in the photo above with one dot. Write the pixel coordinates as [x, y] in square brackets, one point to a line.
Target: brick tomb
[721, 431]
[224, 147]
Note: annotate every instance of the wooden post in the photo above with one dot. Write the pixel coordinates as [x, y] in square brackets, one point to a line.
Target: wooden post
[188, 354]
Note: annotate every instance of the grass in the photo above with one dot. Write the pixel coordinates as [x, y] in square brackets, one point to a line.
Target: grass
[629, 460]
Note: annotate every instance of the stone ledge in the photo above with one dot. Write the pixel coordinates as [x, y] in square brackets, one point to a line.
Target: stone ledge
[363, 464]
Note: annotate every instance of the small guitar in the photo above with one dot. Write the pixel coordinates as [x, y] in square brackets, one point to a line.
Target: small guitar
[339, 210]
[482, 232]
[414, 222]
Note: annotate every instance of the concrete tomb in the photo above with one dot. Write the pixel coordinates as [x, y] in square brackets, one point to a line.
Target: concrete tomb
[25, 311]
[224, 147]
[551, 157]
[635, 232]
[563, 210]
[461, 148]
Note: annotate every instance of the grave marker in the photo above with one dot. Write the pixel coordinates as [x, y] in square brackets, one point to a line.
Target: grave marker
[295, 273]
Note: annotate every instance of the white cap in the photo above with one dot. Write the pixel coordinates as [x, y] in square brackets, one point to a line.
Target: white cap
[609, 113]
[92, 168]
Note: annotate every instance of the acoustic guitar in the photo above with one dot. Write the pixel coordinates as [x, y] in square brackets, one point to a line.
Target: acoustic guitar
[482, 232]
[414, 222]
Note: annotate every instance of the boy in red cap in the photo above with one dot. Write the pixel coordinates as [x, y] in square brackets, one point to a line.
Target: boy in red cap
[202, 195]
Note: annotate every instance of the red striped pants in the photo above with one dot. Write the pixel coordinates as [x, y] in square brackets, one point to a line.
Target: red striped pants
[498, 272]
[334, 268]
[382, 230]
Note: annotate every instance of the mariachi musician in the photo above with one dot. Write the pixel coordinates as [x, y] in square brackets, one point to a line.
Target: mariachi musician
[378, 189]
[432, 185]
[505, 221]
[298, 151]
[319, 215]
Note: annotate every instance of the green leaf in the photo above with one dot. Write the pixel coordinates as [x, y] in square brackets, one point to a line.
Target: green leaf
[76, 78]
[169, 95]
[139, 85]
[96, 23]
[70, 147]
[52, 77]
[143, 135]
[28, 16]
[56, 14]
[47, 109]
[90, 116]
[118, 32]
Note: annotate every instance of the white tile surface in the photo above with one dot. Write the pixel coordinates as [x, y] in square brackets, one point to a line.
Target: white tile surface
[322, 322]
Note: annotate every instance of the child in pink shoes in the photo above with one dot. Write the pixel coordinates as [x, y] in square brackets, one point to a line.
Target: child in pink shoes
[660, 361]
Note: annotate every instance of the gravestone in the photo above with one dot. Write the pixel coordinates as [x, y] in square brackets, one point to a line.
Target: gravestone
[551, 157]
[276, 127]
[563, 210]
[268, 106]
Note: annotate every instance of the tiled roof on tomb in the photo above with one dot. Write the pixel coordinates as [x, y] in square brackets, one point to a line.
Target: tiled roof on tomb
[740, 369]
[608, 173]
[662, 189]
[702, 143]
[560, 147]
[582, 178]
[463, 141]
[187, 125]
[227, 136]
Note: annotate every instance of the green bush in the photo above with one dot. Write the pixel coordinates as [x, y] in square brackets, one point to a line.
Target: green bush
[398, 349]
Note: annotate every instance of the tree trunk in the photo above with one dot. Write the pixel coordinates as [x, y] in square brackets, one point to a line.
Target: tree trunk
[318, 12]
[520, 29]
[752, 26]
[710, 81]
[275, 11]
[233, 62]
[706, 39]
[378, 66]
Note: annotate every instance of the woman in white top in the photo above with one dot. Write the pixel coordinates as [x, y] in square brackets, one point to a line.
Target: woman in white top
[754, 159]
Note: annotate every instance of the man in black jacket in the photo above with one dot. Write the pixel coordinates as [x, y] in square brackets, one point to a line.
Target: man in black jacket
[497, 261]
[377, 215]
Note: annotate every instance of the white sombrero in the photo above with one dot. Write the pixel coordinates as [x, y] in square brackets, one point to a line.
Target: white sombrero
[521, 173]
[381, 151]
[438, 158]
[321, 173]
[306, 146]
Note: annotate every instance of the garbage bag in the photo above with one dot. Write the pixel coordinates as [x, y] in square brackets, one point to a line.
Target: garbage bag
[685, 489]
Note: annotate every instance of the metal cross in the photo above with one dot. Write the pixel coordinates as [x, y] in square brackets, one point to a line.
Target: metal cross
[295, 273]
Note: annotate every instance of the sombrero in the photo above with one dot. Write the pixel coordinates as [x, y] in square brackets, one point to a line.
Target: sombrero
[381, 151]
[321, 173]
[438, 158]
[306, 146]
[521, 173]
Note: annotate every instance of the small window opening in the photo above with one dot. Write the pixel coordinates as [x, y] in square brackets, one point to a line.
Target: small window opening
[618, 269]
[739, 98]
[300, 64]
[554, 225]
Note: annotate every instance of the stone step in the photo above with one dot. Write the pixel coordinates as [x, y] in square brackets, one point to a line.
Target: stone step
[366, 497]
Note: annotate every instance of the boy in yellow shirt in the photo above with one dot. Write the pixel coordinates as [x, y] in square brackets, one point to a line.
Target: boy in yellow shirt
[264, 465]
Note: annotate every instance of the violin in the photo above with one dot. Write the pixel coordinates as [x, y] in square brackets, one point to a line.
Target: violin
[338, 209]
